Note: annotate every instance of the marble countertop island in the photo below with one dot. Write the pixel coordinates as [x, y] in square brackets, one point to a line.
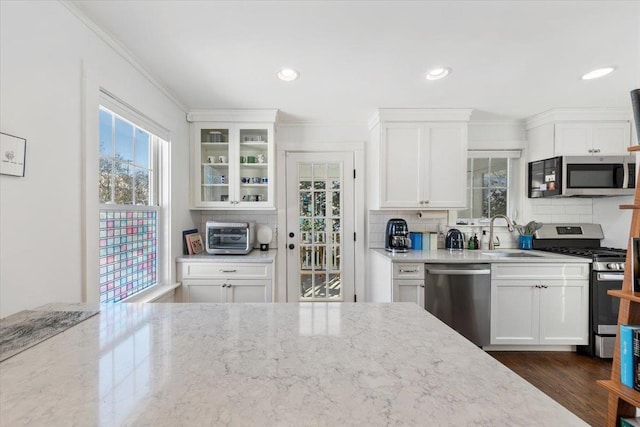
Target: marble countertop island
[304, 364]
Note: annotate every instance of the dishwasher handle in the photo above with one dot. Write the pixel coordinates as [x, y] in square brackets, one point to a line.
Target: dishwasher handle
[460, 272]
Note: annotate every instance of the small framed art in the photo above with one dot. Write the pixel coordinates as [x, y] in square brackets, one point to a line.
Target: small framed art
[196, 245]
[186, 250]
[13, 151]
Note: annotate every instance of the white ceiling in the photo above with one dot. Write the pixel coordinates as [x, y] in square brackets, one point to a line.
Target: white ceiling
[510, 59]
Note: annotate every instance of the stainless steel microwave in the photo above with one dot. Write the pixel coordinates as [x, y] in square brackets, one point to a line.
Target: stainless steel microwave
[586, 176]
[231, 238]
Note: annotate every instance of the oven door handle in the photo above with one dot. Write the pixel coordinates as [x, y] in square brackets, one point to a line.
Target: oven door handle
[611, 276]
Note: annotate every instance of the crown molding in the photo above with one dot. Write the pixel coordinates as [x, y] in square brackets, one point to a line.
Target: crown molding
[312, 123]
[489, 123]
[578, 115]
[240, 115]
[420, 115]
[123, 52]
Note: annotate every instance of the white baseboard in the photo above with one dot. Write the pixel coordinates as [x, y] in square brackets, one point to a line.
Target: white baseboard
[529, 348]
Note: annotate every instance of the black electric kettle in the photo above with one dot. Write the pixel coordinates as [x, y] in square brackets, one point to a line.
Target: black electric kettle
[454, 240]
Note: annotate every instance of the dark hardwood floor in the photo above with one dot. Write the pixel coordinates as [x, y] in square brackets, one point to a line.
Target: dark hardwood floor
[568, 378]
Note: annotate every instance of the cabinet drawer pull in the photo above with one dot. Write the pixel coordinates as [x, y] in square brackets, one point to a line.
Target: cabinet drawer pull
[408, 271]
[227, 271]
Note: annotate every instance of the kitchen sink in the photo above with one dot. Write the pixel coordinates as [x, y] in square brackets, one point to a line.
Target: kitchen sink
[512, 254]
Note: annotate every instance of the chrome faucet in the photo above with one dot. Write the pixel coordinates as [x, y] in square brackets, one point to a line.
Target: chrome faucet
[492, 245]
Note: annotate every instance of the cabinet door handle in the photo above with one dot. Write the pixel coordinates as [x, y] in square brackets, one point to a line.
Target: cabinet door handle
[591, 150]
[544, 286]
[426, 202]
[597, 150]
[422, 286]
[227, 271]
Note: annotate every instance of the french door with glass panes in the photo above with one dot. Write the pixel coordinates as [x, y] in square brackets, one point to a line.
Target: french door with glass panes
[320, 227]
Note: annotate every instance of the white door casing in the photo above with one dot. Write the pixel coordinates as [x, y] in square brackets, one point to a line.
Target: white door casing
[320, 226]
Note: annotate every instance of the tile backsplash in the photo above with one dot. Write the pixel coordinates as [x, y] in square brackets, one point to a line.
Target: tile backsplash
[258, 217]
[570, 209]
[429, 221]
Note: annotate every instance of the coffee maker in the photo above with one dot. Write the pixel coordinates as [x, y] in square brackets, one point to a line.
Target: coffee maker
[397, 236]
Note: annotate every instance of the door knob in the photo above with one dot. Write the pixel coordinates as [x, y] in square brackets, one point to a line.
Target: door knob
[291, 246]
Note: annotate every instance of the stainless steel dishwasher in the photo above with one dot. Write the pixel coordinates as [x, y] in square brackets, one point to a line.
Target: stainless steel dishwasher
[460, 296]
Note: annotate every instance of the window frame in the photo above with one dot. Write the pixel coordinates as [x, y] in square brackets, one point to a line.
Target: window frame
[513, 171]
[153, 168]
[96, 96]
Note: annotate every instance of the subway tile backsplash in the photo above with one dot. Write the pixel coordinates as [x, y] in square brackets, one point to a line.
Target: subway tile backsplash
[573, 209]
[559, 210]
[429, 221]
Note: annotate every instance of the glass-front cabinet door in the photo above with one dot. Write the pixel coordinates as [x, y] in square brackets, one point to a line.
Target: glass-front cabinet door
[213, 165]
[233, 165]
[254, 159]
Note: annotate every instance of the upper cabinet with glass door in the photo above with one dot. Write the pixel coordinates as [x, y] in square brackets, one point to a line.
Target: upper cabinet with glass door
[233, 159]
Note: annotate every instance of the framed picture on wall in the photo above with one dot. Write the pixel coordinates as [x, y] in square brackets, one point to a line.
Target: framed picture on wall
[13, 151]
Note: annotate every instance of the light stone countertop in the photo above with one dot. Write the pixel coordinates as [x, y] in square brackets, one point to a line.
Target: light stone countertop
[474, 256]
[255, 256]
[336, 364]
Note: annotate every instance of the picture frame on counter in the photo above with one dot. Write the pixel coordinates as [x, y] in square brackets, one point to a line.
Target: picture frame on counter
[195, 243]
[185, 241]
[13, 151]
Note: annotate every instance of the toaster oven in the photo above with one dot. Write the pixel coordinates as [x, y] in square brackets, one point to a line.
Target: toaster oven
[231, 238]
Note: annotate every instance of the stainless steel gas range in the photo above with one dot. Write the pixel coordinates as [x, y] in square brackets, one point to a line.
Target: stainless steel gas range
[607, 273]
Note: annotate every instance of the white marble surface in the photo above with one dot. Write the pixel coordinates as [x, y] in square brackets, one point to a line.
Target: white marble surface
[466, 256]
[267, 365]
[255, 256]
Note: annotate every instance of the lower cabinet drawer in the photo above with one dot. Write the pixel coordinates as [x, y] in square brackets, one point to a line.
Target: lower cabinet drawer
[202, 270]
[406, 270]
[539, 271]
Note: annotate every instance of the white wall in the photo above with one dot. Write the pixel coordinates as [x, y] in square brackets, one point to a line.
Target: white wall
[616, 222]
[43, 47]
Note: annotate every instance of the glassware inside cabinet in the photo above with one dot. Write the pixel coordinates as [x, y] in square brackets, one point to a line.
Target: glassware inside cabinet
[254, 177]
[214, 161]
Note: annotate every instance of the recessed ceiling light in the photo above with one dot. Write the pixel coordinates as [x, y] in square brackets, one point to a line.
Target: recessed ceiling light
[438, 73]
[600, 72]
[288, 74]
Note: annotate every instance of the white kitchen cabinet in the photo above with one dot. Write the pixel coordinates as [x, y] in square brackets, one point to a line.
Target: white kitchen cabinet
[578, 132]
[221, 282]
[396, 281]
[541, 303]
[418, 159]
[226, 291]
[592, 139]
[233, 160]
